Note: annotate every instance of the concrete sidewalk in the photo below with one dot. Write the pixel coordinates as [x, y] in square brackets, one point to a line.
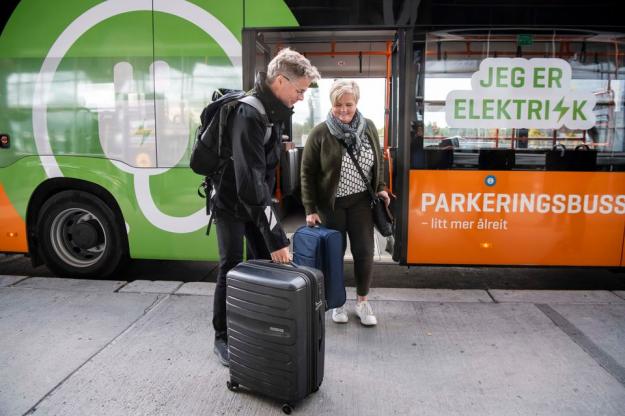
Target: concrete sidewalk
[83, 347]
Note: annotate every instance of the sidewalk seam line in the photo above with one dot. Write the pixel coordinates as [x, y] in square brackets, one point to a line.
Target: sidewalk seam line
[596, 353]
[158, 301]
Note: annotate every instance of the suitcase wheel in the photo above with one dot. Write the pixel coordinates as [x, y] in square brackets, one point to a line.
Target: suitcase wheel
[287, 408]
[232, 386]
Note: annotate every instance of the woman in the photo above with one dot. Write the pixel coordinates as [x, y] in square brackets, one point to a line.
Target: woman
[334, 193]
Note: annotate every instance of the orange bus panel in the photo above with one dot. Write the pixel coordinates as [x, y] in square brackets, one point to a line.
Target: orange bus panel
[623, 252]
[516, 217]
[13, 227]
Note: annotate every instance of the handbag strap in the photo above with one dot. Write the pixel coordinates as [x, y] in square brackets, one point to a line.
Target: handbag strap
[359, 169]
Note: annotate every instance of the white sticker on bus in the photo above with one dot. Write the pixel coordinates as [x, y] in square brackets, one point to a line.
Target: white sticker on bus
[97, 14]
[521, 93]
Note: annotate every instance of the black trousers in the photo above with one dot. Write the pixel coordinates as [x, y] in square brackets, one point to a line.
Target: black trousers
[352, 216]
[230, 234]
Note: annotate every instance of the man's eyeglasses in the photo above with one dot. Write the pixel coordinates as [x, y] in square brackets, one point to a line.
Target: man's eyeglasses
[299, 92]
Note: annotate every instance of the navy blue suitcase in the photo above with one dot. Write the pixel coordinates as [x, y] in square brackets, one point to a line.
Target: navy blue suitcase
[322, 248]
[276, 330]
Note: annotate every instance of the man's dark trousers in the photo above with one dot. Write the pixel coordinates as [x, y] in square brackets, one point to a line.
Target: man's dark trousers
[230, 233]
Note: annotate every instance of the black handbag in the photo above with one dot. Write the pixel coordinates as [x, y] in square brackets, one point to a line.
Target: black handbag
[382, 218]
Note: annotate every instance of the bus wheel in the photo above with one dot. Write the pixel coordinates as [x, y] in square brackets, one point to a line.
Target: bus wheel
[79, 236]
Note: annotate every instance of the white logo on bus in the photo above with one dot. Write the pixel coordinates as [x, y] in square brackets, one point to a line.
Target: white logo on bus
[183, 9]
[521, 93]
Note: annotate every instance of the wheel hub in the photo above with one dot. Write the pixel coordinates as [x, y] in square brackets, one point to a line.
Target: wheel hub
[86, 234]
[77, 237]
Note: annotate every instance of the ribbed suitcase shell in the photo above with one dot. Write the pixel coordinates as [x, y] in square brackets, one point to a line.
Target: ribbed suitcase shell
[276, 329]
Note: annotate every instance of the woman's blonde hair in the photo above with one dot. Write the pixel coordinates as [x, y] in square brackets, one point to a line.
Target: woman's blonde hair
[340, 87]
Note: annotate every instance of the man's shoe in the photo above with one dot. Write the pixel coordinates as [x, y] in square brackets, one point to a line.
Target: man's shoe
[221, 350]
[339, 315]
[365, 313]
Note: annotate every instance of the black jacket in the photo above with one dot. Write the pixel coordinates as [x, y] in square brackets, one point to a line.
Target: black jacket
[246, 186]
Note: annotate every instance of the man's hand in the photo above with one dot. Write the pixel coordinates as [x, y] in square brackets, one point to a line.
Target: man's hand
[312, 220]
[281, 256]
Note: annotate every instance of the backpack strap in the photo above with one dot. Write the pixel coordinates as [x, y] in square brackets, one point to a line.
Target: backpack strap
[258, 105]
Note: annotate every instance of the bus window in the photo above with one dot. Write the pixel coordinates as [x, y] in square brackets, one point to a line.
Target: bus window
[524, 99]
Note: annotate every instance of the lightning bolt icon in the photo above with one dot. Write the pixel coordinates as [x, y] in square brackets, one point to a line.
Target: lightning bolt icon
[562, 109]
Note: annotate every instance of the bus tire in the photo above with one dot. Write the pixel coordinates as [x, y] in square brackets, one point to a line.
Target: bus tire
[80, 236]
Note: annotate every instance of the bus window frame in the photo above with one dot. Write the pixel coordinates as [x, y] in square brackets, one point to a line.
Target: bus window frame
[468, 158]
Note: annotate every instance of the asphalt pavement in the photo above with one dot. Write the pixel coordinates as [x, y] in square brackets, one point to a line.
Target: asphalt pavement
[144, 347]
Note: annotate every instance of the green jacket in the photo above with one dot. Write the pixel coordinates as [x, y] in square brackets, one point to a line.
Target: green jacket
[321, 167]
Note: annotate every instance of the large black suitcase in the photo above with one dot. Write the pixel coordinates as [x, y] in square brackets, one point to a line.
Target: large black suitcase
[276, 329]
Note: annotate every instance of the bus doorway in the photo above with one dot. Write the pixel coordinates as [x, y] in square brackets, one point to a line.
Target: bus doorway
[367, 56]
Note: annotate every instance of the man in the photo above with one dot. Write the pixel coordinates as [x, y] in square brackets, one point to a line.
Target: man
[243, 196]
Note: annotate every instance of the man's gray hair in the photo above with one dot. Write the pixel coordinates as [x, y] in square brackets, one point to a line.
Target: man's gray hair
[340, 87]
[292, 65]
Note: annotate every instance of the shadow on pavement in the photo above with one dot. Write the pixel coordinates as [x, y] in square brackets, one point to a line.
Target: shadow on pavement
[384, 275]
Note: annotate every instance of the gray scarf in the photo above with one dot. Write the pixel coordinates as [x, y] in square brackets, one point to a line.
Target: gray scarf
[352, 134]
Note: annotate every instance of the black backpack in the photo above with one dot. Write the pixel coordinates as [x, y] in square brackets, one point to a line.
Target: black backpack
[212, 147]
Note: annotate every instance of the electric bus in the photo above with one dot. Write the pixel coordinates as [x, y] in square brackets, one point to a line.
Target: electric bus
[503, 137]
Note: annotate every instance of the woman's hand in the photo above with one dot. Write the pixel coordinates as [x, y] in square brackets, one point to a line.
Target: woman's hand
[385, 197]
[312, 220]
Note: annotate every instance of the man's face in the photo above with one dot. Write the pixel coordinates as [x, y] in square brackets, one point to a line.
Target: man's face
[290, 91]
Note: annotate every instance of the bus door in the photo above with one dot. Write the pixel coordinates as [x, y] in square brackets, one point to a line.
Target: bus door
[518, 156]
[363, 55]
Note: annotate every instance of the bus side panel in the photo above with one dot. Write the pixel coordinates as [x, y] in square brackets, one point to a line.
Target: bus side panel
[623, 249]
[13, 233]
[521, 218]
[88, 92]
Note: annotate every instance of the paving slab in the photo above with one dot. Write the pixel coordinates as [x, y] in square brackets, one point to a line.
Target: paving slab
[48, 334]
[151, 286]
[555, 296]
[602, 332]
[424, 295]
[197, 288]
[164, 366]
[423, 358]
[10, 280]
[74, 285]
[620, 293]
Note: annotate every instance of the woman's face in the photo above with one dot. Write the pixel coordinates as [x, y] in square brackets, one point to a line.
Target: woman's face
[344, 108]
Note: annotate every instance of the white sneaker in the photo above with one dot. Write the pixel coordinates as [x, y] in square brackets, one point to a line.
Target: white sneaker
[339, 315]
[365, 313]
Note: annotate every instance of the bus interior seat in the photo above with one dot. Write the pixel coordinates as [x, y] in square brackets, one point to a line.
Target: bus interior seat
[582, 158]
[496, 159]
[437, 158]
[449, 142]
